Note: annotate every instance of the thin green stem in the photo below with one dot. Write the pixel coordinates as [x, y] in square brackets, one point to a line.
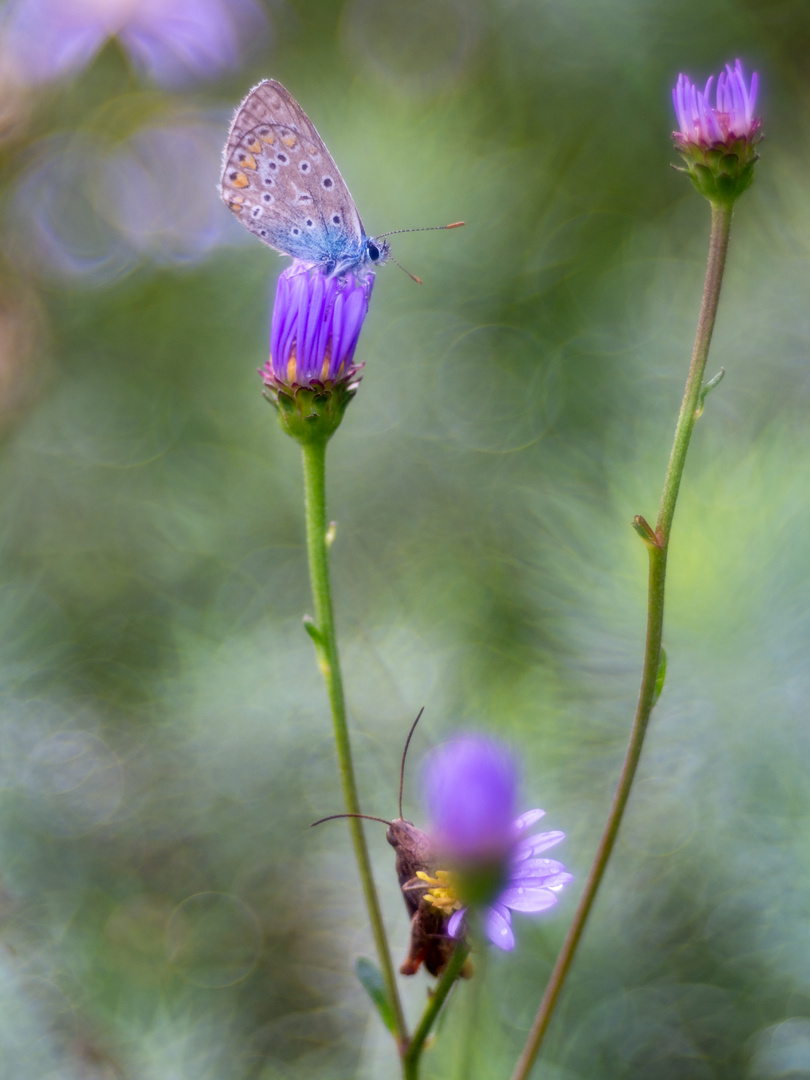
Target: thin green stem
[323, 634]
[449, 976]
[718, 246]
[658, 545]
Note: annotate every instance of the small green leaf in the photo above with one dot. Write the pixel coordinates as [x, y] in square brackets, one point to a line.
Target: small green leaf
[371, 977]
[707, 389]
[645, 531]
[313, 631]
[661, 676]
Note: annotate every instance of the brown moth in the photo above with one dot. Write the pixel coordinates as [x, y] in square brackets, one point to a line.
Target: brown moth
[430, 943]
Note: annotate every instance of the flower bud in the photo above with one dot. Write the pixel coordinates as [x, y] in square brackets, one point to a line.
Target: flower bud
[718, 143]
[310, 376]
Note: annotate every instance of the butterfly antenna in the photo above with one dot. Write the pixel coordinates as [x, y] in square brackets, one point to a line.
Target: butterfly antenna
[405, 754]
[413, 277]
[332, 817]
[423, 228]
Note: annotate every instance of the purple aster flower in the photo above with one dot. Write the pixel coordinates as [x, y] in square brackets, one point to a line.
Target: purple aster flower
[471, 786]
[310, 375]
[171, 41]
[717, 142]
[733, 114]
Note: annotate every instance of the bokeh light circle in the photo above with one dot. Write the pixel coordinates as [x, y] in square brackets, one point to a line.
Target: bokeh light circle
[496, 389]
[76, 781]
[214, 939]
[420, 47]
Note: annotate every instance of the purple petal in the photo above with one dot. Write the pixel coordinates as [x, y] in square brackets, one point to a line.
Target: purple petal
[454, 925]
[533, 845]
[498, 929]
[752, 97]
[527, 819]
[187, 39]
[558, 880]
[524, 898]
[679, 101]
[48, 38]
[532, 868]
[541, 881]
[470, 785]
[734, 102]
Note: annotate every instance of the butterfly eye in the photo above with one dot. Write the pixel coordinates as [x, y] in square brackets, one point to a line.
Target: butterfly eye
[373, 252]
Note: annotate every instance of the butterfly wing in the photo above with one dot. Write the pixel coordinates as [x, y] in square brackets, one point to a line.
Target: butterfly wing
[281, 182]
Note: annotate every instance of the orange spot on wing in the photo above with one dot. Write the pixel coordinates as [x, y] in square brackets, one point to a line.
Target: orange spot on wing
[290, 140]
[255, 147]
[240, 180]
[269, 139]
[248, 161]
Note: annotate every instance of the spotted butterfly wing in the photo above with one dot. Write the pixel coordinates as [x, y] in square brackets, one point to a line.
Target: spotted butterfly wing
[281, 182]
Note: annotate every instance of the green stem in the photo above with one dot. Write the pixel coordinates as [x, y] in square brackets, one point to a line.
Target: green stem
[658, 545]
[413, 1053]
[323, 634]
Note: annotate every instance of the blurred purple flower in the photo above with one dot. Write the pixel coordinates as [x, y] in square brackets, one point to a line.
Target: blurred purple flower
[172, 41]
[157, 190]
[471, 785]
[732, 116]
[55, 227]
[90, 211]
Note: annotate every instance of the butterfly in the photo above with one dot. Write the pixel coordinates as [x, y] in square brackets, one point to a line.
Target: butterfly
[283, 185]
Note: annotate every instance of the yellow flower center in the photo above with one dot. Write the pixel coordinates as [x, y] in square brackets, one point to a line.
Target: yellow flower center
[442, 894]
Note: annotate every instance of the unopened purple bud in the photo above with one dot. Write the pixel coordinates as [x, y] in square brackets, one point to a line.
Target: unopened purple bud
[717, 142]
[310, 374]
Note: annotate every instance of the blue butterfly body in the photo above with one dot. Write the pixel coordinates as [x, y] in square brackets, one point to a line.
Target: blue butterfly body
[281, 182]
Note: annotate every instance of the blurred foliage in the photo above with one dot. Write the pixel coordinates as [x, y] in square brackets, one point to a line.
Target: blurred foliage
[164, 735]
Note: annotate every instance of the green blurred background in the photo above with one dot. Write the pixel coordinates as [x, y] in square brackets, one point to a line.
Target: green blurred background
[165, 737]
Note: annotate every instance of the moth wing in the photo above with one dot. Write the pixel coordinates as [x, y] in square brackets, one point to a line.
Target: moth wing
[429, 944]
[413, 889]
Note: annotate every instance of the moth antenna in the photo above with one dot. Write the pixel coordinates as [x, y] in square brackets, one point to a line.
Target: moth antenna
[333, 817]
[405, 753]
[422, 228]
